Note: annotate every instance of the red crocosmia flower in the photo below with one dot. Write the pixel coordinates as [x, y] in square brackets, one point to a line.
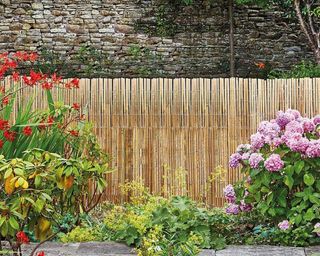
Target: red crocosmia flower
[74, 133]
[33, 56]
[22, 237]
[21, 56]
[260, 65]
[56, 79]
[47, 86]
[10, 136]
[27, 80]
[75, 82]
[1, 143]
[11, 64]
[35, 77]
[68, 85]
[15, 76]
[27, 130]
[4, 125]
[76, 106]
[3, 55]
[41, 253]
[5, 100]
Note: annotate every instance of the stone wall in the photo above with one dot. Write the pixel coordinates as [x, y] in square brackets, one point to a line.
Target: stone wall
[145, 38]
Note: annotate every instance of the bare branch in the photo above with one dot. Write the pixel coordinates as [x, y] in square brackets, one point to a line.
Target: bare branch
[304, 27]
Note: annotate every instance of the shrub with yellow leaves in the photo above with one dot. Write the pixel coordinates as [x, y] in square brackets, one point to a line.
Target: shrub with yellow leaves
[40, 188]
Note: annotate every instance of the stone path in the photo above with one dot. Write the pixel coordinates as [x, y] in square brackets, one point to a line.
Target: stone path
[116, 249]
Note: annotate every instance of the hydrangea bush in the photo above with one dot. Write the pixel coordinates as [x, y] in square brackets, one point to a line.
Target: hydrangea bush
[282, 170]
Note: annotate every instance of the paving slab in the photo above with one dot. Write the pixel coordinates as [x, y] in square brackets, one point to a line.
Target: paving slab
[117, 249]
[312, 251]
[207, 253]
[104, 248]
[262, 250]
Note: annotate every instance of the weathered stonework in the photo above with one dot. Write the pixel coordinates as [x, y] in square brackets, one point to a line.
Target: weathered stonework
[142, 38]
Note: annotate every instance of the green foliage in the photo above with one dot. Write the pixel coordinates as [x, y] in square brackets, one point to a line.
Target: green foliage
[80, 234]
[43, 187]
[301, 70]
[88, 59]
[178, 225]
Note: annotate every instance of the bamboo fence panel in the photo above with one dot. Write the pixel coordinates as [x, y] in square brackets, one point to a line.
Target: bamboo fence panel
[173, 134]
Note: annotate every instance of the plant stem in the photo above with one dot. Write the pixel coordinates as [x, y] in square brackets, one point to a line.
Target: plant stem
[42, 242]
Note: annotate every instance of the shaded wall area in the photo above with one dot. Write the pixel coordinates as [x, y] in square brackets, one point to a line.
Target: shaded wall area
[150, 38]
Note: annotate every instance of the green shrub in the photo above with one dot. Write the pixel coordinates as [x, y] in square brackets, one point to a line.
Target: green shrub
[281, 177]
[301, 70]
[81, 234]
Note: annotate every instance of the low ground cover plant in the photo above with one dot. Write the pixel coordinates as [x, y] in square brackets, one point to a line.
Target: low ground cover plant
[172, 226]
[281, 168]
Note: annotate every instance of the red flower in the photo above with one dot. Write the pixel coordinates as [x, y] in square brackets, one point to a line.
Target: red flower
[47, 86]
[15, 76]
[11, 64]
[3, 55]
[4, 125]
[33, 79]
[2, 89]
[41, 253]
[56, 79]
[260, 65]
[75, 82]
[10, 136]
[5, 100]
[74, 133]
[22, 237]
[33, 56]
[27, 80]
[1, 143]
[76, 106]
[21, 56]
[27, 131]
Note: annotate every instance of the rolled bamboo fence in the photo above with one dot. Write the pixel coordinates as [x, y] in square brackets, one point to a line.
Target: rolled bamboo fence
[176, 135]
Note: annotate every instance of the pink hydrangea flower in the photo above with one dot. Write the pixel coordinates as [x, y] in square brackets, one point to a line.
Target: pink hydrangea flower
[255, 159]
[294, 127]
[245, 207]
[317, 225]
[273, 163]
[298, 144]
[308, 125]
[234, 160]
[229, 193]
[316, 120]
[283, 118]
[245, 156]
[276, 142]
[232, 209]
[314, 149]
[284, 225]
[257, 141]
[294, 112]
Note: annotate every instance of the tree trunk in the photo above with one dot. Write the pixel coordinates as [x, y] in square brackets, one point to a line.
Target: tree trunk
[307, 30]
[317, 55]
